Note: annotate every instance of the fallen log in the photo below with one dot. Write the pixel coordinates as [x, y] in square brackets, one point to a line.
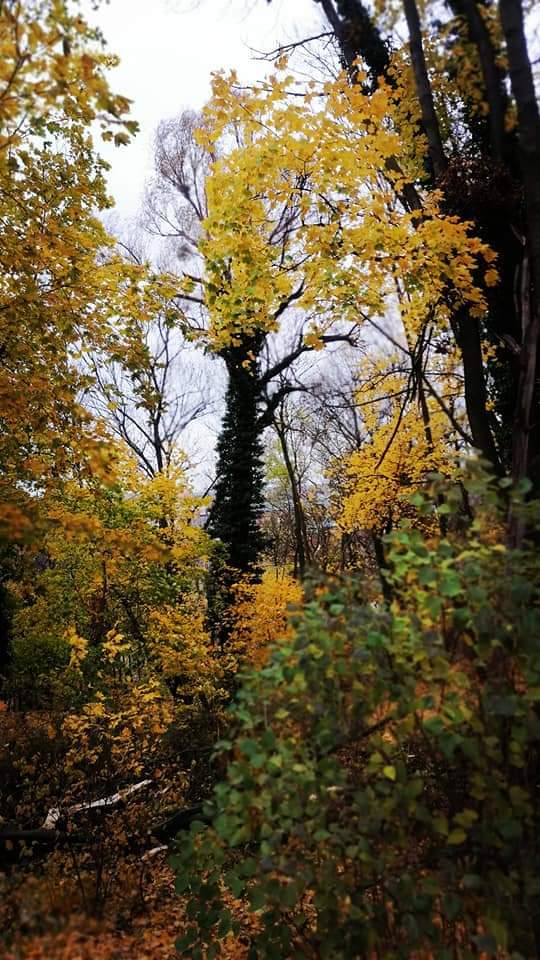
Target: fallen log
[54, 829]
[38, 835]
[56, 814]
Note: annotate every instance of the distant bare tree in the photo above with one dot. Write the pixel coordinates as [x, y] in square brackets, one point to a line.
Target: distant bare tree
[150, 385]
[150, 407]
[175, 200]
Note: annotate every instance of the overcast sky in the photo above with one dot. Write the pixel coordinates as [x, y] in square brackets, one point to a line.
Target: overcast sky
[168, 50]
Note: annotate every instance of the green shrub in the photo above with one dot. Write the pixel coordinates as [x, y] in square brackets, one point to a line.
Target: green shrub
[37, 670]
[381, 795]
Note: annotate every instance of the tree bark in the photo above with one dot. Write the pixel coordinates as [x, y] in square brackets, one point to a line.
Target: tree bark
[525, 455]
[491, 73]
[300, 532]
[467, 334]
[425, 94]
[380, 556]
[238, 502]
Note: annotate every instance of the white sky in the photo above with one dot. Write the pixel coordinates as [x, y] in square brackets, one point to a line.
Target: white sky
[168, 50]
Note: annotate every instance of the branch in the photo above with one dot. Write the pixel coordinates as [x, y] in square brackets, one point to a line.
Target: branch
[288, 47]
[295, 295]
[272, 403]
[286, 361]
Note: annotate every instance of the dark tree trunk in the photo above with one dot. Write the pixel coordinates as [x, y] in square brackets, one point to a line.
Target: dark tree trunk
[425, 94]
[465, 327]
[238, 502]
[234, 517]
[492, 74]
[5, 630]
[484, 186]
[378, 547]
[303, 553]
[467, 334]
[526, 431]
[357, 32]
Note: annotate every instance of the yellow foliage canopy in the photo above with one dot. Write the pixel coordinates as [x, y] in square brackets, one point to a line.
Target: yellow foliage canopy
[55, 290]
[402, 449]
[260, 614]
[305, 204]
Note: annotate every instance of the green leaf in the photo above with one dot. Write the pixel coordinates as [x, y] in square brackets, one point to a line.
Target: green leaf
[257, 898]
[450, 585]
[457, 836]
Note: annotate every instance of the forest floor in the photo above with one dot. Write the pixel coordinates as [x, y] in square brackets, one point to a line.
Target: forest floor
[48, 927]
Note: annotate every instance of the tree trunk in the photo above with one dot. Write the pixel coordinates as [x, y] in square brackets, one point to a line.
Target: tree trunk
[380, 557]
[238, 501]
[425, 93]
[467, 335]
[491, 73]
[300, 532]
[525, 454]
[234, 517]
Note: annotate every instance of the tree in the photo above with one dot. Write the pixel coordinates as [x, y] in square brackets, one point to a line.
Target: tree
[302, 553]
[526, 455]
[178, 209]
[54, 291]
[336, 240]
[238, 498]
[282, 234]
[495, 169]
[148, 384]
[125, 558]
[394, 461]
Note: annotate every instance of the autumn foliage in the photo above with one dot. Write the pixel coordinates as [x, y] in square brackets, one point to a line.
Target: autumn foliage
[261, 614]
[284, 704]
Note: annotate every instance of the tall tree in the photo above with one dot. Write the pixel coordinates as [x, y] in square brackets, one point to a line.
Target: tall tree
[526, 453]
[303, 558]
[148, 383]
[55, 292]
[235, 514]
[483, 183]
[178, 208]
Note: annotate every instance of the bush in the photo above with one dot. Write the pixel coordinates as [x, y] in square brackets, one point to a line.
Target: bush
[381, 797]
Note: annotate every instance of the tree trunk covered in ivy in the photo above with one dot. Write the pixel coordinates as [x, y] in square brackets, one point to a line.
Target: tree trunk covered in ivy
[234, 518]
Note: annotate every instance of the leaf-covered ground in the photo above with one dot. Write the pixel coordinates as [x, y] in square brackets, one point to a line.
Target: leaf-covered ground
[46, 929]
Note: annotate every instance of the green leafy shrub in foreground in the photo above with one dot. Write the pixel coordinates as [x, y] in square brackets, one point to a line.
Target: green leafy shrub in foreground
[381, 795]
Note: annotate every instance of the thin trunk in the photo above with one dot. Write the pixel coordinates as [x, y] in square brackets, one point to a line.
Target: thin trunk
[425, 93]
[428, 433]
[158, 445]
[380, 557]
[303, 552]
